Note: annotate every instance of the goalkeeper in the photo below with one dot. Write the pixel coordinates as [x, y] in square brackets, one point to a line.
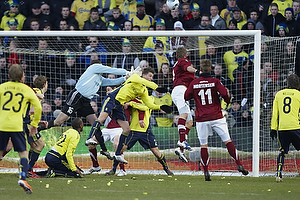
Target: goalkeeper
[113, 103]
[78, 99]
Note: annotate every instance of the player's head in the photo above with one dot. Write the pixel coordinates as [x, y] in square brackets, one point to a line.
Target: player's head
[181, 52]
[205, 65]
[41, 82]
[16, 73]
[77, 124]
[293, 82]
[148, 73]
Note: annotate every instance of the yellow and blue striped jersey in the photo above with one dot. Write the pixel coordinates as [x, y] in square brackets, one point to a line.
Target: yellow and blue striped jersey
[66, 145]
[144, 23]
[134, 87]
[134, 121]
[82, 11]
[230, 59]
[286, 107]
[14, 99]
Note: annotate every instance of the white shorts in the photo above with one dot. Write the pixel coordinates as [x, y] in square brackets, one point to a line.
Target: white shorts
[110, 134]
[178, 99]
[204, 129]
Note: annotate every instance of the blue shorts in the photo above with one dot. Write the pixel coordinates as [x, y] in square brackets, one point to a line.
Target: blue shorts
[56, 161]
[29, 138]
[113, 107]
[18, 139]
[146, 139]
[285, 138]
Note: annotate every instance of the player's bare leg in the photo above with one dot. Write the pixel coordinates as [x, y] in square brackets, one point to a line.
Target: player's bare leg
[61, 118]
[36, 148]
[8, 148]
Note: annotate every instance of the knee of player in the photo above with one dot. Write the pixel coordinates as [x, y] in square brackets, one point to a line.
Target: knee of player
[282, 154]
[91, 146]
[183, 116]
[127, 130]
[115, 145]
[189, 124]
[41, 144]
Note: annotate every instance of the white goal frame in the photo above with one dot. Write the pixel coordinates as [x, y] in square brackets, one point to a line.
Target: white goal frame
[257, 63]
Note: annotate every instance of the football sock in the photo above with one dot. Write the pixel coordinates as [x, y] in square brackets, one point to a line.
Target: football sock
[204, 158]
[33, 158]
[23, 168]
[122, 166]
[162, 161]
[181, 129]
[93, 155]
[29, 153]
[187, 130]
[233, 152]
[95, 130]
[121, 143]
[280, 162]
[115, 165]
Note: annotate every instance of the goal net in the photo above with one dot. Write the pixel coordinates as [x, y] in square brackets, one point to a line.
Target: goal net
[251, 66]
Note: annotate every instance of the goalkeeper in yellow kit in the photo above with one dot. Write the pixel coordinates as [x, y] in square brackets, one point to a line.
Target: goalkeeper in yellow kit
[285, 120]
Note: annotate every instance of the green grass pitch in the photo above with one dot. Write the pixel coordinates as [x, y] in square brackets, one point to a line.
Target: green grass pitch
[154, 187]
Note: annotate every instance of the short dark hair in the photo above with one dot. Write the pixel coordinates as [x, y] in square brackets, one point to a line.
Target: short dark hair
[293, 82]
[137, 26]
[40, 81]
[76, 123]
[148, 70]
[15, 72]
[94, 9]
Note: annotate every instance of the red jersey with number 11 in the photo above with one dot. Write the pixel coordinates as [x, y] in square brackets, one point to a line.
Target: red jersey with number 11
[180, 75]
[205, 90]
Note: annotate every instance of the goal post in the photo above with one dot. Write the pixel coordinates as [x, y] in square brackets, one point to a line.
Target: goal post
[72, 44]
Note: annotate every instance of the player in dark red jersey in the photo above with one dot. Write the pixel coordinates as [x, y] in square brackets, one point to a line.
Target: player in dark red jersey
[183, 75]
[205, 90]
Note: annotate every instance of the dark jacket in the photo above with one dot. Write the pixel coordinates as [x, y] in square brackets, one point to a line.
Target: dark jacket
[98, 25]
[270, 26]
[70, 20]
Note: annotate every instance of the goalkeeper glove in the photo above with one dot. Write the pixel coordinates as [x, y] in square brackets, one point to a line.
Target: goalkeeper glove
[167, 109]
[161, 90]
[137, 71]
[273, 134]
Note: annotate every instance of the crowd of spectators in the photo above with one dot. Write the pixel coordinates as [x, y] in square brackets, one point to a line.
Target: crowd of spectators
[232, 65]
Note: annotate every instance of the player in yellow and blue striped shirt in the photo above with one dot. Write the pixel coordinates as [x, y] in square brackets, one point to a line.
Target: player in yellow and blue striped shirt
[14, 97]
[285, 120]
[60, 157]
